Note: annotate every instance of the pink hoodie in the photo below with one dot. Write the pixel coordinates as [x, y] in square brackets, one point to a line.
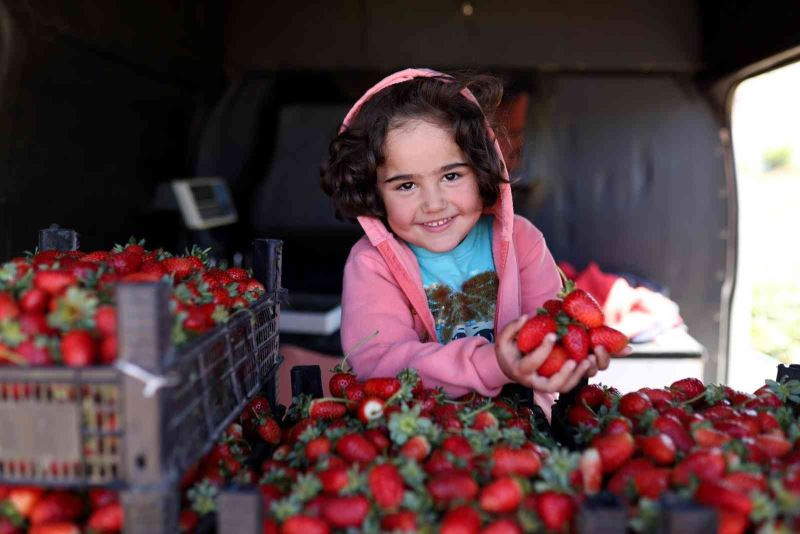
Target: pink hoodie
[383, 291]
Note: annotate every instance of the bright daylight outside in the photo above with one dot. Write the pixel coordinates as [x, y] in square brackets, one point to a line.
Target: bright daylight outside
[765, 326]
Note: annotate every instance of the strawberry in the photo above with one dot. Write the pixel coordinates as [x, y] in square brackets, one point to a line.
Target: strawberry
[317, 448]
[345, 512]
[458, 446]
[767, 422]
[658, 397]
[687, 388]
[304, 524]
[553, 306]
[582, 307]
[534, 331]
[35, 324]
[618, 425]
[35, 353]
[659, 448]
[355, 392]
[417, 448]
[704, 464]
[674, 429]
[386, 486]
[179, 268]
[141, 277]
[461, 520]
[333, 479]
[614, 450]
[46, 257]
[237, 274]
[744, 482]
[554, 361]
[60, 527]
[484, 420]
[56, 506]
[576, 342]
[651, 483]
[356, 448]
[107, 351]
[633, 405]
[773, 445]
[153, 267]
[581, 415]
[24, 498]
[101, 497]
[591, 468]
[34, 300]
[326, 409]
[268, 429]
[721, 496]
[339, 382]
[8, 307]
[106, 520]
[251, 285]
[105, 320]
[370, 409]
[502, 526]
[706, 436]
[405, 521]
[378, 438]
[555, 510]
[507, 461]
[54, 282]
[593, 396]
[501, 496]
[78, 349]
[125, 262]
[383, 388]
[96, 256]
[610, 339]
[624, 476]
[452, 485]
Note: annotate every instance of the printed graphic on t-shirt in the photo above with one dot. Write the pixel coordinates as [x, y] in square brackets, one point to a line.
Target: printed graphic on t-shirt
[467, 312]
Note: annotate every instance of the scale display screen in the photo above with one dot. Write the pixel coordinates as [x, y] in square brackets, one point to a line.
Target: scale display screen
[204, 202]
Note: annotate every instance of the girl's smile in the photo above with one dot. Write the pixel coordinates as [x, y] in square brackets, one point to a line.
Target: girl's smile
[429, 191]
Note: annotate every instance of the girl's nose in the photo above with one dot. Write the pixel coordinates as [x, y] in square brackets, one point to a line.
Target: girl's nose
[433, 200]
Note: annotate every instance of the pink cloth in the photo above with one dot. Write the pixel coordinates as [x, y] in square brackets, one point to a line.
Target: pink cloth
[383, 291]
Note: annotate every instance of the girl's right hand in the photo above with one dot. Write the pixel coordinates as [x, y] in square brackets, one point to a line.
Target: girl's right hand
[521, 368]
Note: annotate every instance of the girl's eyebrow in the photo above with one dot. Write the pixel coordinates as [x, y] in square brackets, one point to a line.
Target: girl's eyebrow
[445, 168]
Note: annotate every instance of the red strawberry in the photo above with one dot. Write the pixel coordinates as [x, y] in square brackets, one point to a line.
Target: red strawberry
[326, 409]
[507, 461]
[707, 436]
[659, 448]
[501, 496]
[461, 520]
[8, 306]
[35, 324]
[634, 404]
[34, 353]
[675, 430]
[458, 446]
[105, 320]
[386, 486]
[452, 485]
[304, 524]
[180, 268]
[554, 361]
[60, 527]
[610, 339]
[581, 415]
[553, 306]
[370, 409]
[533, 332]
[502, 526]
[101, 497]
[767, 422]
[339, 382]
[555, 510]
[333, 479]
[704, 464]
[96, 256]
[614, 450]
[78, 349]
[593, 396]
[56, 506]
[356, 448]
[268, 429]
[54, 282]
[125, 262]
[355, 392]
[417, 448]
[719, 495]
[237, 274]
[687, 388]
[591, 469]
[383, 388]
[484, 420]
[107, 351]
[345, 512]
[582, 307]
[24, 498]
[141, 277]
[378, 438]
[618, 425]
[34, 300]
[651, 483]
[773, 445]
[658, 397]
[744, 482]
[576, 342]
[252, 285]
[623, 477]
[107, 519]
[405, 521]
[317, 448]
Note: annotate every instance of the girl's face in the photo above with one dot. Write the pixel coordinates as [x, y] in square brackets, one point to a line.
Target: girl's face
[430, 193]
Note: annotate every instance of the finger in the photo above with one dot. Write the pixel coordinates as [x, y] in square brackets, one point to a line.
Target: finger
[578, 375]
[592, 366]
[510, 331]
[533, 360]
[624, 352]
[558, 380]
[602, 356]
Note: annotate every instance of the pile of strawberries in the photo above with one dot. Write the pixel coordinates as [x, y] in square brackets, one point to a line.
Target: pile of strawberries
[58, 307]
[578, 321]
[38, 511]
[736, 452]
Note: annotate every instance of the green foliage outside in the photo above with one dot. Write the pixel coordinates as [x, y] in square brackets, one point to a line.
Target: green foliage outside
[777, 158]
[775, 329]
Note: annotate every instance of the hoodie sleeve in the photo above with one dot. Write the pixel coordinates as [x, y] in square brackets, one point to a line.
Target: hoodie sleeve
[372, 300]
[539, 279]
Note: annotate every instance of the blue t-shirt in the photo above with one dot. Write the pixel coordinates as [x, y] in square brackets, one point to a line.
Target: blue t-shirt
[461, 285]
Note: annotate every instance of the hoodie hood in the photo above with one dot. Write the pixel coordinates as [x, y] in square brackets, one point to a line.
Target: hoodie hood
[503, 210]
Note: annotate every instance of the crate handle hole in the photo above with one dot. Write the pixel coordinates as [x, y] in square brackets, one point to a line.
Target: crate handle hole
[141, 461]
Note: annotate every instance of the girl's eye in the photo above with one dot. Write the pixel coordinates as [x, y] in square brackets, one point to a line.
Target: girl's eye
[406, 186]
[451, 177]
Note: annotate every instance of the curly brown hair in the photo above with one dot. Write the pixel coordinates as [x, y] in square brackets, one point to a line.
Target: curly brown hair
[350, 174]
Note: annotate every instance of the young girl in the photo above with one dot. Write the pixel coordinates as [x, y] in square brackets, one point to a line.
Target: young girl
[446, 274]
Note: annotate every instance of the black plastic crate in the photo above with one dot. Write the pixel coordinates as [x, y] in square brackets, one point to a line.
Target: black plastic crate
[146, 419]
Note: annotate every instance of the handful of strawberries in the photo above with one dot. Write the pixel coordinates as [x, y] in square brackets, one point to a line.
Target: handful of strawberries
[578, 321]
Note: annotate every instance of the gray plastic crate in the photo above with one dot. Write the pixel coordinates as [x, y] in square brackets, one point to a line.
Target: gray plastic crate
[144, 421]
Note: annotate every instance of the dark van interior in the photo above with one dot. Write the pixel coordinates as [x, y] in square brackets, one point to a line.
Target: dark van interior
[625, 154]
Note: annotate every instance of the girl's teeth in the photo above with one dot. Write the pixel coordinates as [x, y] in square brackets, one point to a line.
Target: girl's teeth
[437, 223]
